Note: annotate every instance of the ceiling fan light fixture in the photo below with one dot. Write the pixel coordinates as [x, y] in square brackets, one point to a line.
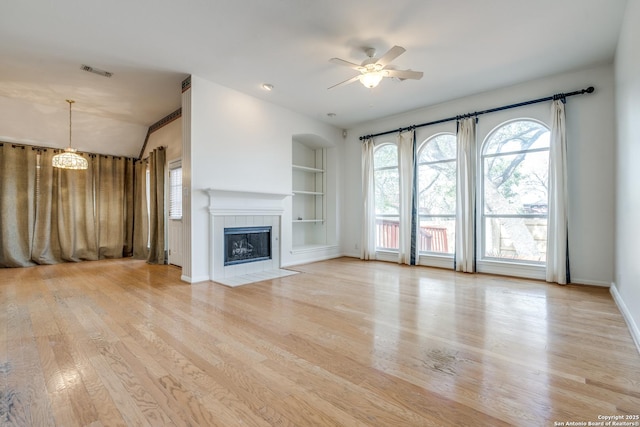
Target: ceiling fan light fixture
[373, 70]
[371, 79]
[69, 159]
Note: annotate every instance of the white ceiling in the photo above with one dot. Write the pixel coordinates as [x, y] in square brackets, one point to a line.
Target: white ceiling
[463, 47]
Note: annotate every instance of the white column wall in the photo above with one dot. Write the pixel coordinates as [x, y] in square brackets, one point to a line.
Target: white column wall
[626, 289]
[239, 142]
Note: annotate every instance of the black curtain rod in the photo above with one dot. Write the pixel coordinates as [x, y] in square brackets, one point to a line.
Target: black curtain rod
[40, 148]
[590, 89]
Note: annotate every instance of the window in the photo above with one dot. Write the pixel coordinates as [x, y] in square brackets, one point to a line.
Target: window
[515, 163]
[437, 194]
[175, 191]
[387, 196]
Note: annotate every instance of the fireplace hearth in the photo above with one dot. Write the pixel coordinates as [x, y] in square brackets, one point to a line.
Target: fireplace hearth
[246, 244]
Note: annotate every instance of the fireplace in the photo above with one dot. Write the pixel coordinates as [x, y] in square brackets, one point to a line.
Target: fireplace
[246, 244]
[235, 217]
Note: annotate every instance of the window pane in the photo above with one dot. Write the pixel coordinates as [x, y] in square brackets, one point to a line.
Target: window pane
[437, 235]
[520, 239]
[387, 196]
[437, 194]
[387, 191]
[517, 136]
[515, 163]
[437, 189]
[387, 232]
[441, 147]
[175, 193]
[516, 182]
[386, 155]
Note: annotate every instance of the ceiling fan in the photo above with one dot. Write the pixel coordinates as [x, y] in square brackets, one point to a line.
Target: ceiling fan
[373, 69]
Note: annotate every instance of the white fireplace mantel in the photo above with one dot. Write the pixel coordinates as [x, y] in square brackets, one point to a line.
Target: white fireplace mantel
[233, 208]
[224, 202]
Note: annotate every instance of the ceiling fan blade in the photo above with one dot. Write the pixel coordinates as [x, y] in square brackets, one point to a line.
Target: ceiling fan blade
[339, 61]
[404, 74]
[346, 82]
[391, 54]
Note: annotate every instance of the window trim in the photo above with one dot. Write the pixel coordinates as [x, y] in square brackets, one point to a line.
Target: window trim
[380, 250]
[431, 258]
[173, 165]
[497, 265]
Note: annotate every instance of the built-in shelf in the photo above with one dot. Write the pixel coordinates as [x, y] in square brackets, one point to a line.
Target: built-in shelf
[307, 169]
[308, 193]
[309, 182]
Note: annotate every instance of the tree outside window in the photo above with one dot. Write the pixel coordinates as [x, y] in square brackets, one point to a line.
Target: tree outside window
[515, 165]
[437, 194]
[387, 196]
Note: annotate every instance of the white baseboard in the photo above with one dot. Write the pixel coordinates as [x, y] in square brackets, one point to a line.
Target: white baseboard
[577, 281]
[525, 271]
[436, 261]
[194, 279]
[306, 255]
[633, 327]
[351, 254]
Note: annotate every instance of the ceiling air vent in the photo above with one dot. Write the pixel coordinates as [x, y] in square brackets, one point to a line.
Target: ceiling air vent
[96, 71]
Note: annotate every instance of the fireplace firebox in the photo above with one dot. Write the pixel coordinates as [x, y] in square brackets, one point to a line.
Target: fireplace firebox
[246, 244]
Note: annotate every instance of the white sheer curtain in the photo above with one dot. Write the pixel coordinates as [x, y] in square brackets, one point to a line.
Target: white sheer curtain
[368, 246]
[557, 228]
[406, 171]
[465, 196]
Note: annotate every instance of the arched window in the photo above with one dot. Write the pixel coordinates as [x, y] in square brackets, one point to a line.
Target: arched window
[515, 164]
[387, 196]
[437, 194]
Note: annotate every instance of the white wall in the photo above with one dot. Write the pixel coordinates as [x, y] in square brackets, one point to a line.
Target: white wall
[590, 130]
[626, 289]
[239, 142]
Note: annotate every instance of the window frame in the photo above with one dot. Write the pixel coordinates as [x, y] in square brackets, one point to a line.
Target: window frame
[174, 165]
[381, 249]
[422, 146]
[526, 268]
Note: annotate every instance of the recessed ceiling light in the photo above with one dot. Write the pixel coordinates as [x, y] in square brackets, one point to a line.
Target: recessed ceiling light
[267, 86]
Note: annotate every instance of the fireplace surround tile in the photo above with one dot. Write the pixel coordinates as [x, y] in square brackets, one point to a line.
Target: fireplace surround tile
[231, 209]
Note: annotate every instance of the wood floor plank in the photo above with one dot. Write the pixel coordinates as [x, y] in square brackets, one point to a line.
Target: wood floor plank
[344, 342]
[83, 349]
[57, 392]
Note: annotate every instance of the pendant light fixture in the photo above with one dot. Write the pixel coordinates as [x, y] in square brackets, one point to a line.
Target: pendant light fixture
[69, 159]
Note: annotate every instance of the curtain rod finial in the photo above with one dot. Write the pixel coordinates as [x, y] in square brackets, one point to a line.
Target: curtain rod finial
[590, 89]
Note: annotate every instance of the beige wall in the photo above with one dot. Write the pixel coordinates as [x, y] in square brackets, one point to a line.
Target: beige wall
[169, 136]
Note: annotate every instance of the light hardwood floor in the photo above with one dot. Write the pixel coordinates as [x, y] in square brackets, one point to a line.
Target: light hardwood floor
[345, 342]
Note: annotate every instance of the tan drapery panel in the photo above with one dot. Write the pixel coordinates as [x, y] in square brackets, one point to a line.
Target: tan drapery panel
[74, 213]
[127, 250]
[157, 160]
[141, 212]
[17, 198]
[111, 205]
[46, 243]
[52, 215]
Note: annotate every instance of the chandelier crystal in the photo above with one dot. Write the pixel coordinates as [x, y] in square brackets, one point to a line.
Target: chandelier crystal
[69, 159]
